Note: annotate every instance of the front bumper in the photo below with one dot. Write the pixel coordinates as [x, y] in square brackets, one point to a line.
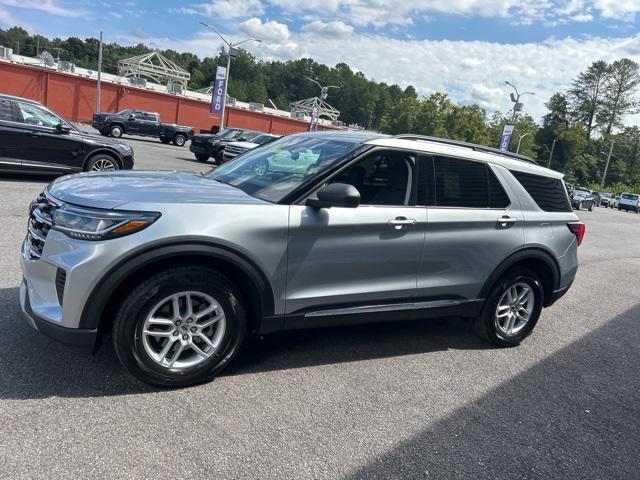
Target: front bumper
[78, 338]
[201, 148]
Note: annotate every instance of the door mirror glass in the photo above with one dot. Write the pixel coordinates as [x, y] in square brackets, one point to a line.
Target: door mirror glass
[336, 195]
[132, 117]
[62, 128]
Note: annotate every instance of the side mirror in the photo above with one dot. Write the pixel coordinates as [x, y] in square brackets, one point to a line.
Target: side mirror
[336, 195]
[132, 117]
[62, 128]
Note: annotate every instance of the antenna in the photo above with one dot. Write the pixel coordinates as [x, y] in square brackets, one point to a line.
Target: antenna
[47, 59]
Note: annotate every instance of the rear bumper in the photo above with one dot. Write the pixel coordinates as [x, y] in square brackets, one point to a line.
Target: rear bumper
[80, 339]
[558, 294]
[201, 149]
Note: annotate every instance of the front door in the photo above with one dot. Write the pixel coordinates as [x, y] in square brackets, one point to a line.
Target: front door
[43, 146]
[10, 137]
[358, 263]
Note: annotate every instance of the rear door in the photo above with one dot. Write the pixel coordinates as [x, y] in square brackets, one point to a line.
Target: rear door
[11, 136]
[475, 222]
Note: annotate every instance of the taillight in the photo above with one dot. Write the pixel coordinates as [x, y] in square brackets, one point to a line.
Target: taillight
[578, 230]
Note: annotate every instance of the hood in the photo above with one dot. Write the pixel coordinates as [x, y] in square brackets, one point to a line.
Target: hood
[207, 136]
[98, 139]
[247, 145]
[112, 190]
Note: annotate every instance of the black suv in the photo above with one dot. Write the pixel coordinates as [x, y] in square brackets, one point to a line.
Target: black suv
[33, 138]
[138, 122]
[205, 145]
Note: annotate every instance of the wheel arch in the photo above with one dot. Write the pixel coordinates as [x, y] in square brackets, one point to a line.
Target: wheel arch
[102, 151]
[254, 286]
[538, 260]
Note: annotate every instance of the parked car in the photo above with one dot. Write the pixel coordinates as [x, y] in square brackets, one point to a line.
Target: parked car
[139, 122]
[629, 202]
[615, 201]
[37, 140]
[582, 199]
[180, 267]
[605, 199]
[206, 145]
[233, 149]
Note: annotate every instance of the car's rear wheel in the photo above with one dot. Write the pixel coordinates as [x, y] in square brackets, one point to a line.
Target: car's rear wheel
[511, 309]
[116, 131]
[591, 207]
[179, 140]
[166, 141]
[220, 157]
[179, 327]
[101, 163]
[202, 157]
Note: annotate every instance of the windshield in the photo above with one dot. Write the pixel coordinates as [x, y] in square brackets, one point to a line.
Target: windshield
[125, 112]
[274, 170]
[230, 132]
[581, 193]
[629, 196]
[262, 139]
[606, 195]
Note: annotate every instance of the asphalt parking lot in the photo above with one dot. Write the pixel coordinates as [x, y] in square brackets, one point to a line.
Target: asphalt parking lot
[406, 400]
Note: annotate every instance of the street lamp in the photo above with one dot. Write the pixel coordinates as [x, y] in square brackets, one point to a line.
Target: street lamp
[517, 106]
[520, 140]
[231, 47]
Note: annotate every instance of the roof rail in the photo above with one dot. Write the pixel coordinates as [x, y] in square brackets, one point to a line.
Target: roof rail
[472, 146]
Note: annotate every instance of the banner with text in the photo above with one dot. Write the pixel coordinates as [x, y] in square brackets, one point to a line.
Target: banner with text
[217, 96]
[507, 131]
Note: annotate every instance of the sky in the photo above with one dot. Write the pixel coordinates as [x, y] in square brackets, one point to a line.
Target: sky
[465, 48]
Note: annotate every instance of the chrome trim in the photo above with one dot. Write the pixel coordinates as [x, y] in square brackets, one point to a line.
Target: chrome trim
[392, 307]
[36, 213]
[35, 234]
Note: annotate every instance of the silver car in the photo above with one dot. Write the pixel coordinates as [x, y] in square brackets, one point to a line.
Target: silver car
[342, 228]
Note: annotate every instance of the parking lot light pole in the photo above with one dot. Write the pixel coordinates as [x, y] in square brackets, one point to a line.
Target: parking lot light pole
[606, 167]
[553, 146]
[520, 140]
[99, 83]
[230, 47]
[517, 106]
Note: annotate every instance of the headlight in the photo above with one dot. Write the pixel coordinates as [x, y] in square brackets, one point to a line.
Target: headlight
[89, 224]
[125, 147]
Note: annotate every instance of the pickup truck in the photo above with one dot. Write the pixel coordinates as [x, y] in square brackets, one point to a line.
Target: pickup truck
[138, 122]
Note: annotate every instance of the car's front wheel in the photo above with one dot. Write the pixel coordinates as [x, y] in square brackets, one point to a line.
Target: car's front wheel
[115, 131]
[202, 157]
[511, 309]
[180, 327]
[101, 163]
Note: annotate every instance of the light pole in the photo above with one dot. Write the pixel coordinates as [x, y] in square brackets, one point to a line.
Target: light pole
[230, 47]
[553, 146]
[517, 106]
[520, 140]
[606, 167]
[99, 84]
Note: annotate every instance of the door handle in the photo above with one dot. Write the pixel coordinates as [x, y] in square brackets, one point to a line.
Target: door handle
[35, 134]
[506, 221]
[399, 222]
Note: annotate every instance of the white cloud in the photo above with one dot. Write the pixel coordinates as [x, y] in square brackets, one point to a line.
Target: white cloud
[227, 9]
[330, 30]
[270, 31]
[47, 6]
[7, 19]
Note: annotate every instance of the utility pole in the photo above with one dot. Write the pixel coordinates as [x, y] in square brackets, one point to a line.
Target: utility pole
[553, 146]
[99, 84]
[606, 167]
[37, 45]
[520, 141]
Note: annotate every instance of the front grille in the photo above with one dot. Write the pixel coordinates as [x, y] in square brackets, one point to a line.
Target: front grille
[40, 222]
[234, 151]
[197, 141]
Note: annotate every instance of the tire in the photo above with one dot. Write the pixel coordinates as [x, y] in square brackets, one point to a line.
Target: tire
[116, 131]
[135, 349]
[261, 167]
[166, 141]
[486, 324]
[202, 157]
[219, 157]
[101, 163]
[579, 206]
[591, 207]
[179, 140]
[104, 133]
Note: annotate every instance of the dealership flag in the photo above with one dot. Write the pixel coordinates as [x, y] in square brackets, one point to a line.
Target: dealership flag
[506, 137]
[217, 96]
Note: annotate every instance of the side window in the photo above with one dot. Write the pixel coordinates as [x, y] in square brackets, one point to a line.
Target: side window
[498, 198]
[549, 193]
[382, 178]
[460, 183]
[6, 111]
[36, 115]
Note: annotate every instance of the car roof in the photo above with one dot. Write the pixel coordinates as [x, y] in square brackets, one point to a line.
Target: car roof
[22, 99]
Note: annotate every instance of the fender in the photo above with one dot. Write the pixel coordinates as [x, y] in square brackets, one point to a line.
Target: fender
[150, 253]
[514, 258]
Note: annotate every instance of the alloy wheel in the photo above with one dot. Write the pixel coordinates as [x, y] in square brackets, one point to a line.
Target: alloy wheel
[514, 309]
[103, 164]
[183, 330]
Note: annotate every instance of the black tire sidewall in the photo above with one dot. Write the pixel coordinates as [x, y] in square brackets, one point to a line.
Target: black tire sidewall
[201, 157]
[488, 313]
[130, 321]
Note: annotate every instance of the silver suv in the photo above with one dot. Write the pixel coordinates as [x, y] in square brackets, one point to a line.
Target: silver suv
[310, 230]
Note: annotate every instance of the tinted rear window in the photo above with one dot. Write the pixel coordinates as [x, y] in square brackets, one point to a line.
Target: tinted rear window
[6, 111]
[628, 196]
[548, 193]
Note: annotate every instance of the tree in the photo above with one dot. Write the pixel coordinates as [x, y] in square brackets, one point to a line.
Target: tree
[587, 94]
[621, 85]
